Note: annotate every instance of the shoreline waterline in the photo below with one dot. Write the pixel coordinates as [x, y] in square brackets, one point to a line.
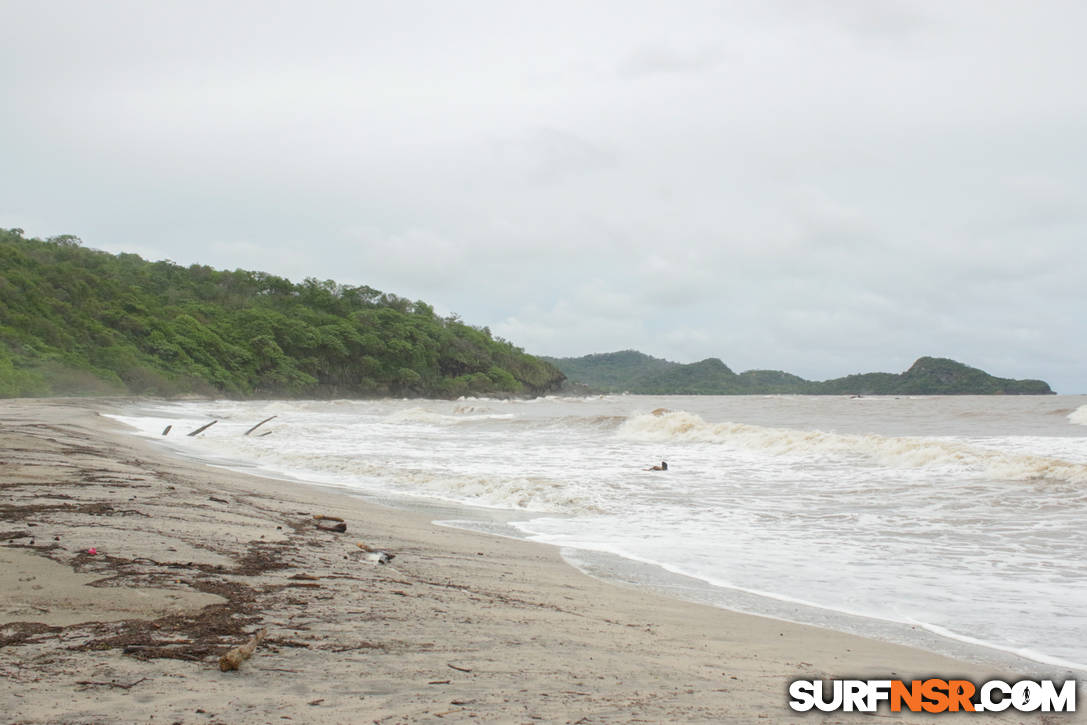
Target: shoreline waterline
[506, 627]
[624, 567]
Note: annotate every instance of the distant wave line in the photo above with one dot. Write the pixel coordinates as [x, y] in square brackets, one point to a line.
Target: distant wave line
[1079, 415]
[909, 452]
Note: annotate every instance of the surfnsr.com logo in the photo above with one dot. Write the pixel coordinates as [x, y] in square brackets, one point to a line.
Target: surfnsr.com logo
[932, 695]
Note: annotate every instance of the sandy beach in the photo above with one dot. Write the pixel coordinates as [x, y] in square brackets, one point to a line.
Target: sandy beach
[189, 561]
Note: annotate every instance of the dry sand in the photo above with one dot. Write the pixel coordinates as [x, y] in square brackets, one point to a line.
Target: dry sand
[191, 560]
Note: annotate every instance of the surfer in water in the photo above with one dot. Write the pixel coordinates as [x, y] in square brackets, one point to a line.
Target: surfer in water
[662, 467]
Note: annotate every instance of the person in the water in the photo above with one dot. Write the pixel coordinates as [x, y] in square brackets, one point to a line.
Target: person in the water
[662, 467]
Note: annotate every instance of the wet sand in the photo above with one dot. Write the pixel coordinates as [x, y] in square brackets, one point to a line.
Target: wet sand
[190, 560]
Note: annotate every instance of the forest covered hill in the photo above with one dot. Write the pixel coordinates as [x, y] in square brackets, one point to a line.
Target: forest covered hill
[636, 372]
[79, 321]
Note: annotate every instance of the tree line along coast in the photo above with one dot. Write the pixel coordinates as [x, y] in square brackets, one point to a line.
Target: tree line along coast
[77, 321]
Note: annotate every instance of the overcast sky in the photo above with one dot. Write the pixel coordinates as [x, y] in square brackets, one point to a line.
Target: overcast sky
[820, 186]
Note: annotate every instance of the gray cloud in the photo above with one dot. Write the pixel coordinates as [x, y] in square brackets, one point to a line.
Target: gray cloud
[649, 60]
[822, 187]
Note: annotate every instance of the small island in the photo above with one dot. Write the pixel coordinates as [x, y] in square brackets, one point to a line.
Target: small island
[635, 372]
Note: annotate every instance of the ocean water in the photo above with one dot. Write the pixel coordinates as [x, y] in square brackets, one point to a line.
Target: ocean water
[932, 519]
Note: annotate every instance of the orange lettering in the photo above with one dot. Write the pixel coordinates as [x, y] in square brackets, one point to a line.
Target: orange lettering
[959, 694]
[934, 691]
[911, 695]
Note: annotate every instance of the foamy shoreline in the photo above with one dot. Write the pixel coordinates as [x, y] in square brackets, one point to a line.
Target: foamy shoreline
[462, 624]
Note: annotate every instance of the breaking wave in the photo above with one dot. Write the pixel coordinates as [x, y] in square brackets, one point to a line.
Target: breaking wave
[512, 492]
[896, 452]
[519, 493]
[462, 414]
[472, 414]
[1079, 415]
[594, 421]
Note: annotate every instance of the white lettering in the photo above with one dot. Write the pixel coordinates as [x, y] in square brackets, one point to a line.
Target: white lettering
[835, 701]
[878, 691]
[1026, 696]
[853, 696]
[1063, 701]
[987, 701]
[803, 694]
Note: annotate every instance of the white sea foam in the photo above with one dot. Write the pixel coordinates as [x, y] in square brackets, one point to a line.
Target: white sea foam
[1079, 415]
[461, 414]
[915, 452]
[1024, 652]
[799, 499]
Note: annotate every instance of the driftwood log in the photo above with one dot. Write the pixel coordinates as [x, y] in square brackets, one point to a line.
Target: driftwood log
[233, 659]
[203, 428]
[325, 523]
[258, 425]
[129, 686]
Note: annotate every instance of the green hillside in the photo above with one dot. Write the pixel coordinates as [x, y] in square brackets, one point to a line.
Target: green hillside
[79, 321]
[705, 377]
[934, 376]
[635, 372]
[611, 371]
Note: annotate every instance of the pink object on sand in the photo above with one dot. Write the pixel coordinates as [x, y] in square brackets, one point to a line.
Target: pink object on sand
[92, 550]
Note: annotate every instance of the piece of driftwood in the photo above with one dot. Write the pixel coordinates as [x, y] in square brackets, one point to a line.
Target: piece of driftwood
[166, 429]
[356, 647]
[258, 425]
[233, 659]
[157, 644]
[217, 500]
[287, 643]
[118, 685]
[203, 428]
[336, 528]
[323, 517]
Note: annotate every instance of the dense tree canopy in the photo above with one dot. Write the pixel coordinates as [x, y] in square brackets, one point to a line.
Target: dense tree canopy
[75, 320]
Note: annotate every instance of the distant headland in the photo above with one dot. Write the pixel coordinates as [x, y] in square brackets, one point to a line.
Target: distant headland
[635, 372]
